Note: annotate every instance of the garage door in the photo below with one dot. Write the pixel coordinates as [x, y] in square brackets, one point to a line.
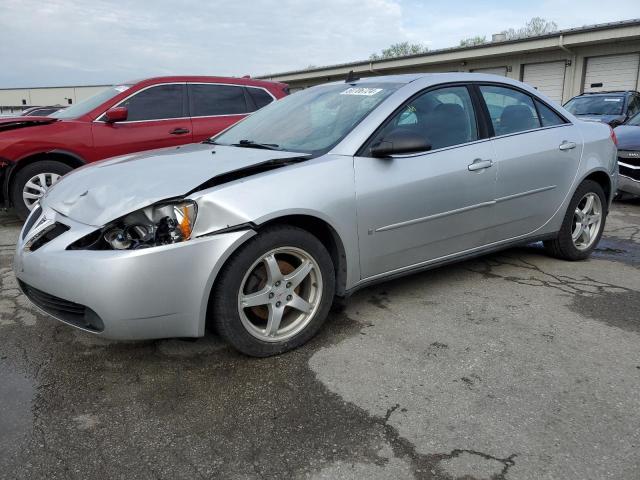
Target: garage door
[493, 71]
[546, 77]
[614, 72]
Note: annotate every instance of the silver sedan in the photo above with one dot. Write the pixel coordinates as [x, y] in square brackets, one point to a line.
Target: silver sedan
[256, 231]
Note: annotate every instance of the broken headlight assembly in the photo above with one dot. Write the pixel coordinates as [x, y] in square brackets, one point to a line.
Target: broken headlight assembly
[160, 224]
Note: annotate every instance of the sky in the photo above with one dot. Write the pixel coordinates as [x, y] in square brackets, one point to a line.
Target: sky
[76, 42]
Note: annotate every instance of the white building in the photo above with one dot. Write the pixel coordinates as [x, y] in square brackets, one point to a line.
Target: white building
[562, 64]
[14, 100]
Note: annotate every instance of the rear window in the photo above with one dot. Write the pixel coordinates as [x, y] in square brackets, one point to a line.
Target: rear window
[209, 100]
[260, 97]
[511, 111]
[548, 117]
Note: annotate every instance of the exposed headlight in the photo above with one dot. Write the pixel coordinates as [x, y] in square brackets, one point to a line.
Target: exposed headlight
[159, 224]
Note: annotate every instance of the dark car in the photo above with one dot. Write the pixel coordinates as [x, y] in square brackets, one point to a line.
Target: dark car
[613, 108]
[41, 111]
[629, 156]
[35, 151]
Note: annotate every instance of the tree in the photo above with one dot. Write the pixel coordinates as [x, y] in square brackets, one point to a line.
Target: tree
[470, 42]
[535, 26]
[401, 49]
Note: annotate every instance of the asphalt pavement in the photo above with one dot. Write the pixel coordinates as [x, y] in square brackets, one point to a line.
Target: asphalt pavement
[510, 366]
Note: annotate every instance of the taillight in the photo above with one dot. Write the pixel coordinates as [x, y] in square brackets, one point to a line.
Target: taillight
[614, 139]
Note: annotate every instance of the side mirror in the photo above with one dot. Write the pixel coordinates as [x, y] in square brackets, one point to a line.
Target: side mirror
[398, 142]
[116, 114]
[616, 122]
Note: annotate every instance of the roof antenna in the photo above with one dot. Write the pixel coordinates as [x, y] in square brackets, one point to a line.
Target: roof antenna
[351, 77]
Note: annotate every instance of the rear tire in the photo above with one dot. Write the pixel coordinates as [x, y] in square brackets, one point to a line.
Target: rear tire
[260, 306]
[32, 181]
[581, 229]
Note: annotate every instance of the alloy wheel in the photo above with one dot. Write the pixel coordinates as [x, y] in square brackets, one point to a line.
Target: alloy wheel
[280, 294]
[587, 219]
[36, 187]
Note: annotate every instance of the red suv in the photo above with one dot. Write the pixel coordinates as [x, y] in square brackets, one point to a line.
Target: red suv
[153, 113]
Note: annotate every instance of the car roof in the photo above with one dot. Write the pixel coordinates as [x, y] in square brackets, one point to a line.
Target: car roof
[607, 93]
[427, 79]
[203, 78]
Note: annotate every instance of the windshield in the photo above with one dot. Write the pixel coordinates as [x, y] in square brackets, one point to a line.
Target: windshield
[310, 121]
[90, 103]
[595, 105]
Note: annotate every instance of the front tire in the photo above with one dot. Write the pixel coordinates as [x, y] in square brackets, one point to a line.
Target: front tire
[583, 224]
[274, 293]
[31, 183]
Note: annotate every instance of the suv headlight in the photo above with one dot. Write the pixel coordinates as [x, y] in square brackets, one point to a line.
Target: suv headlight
[160, 224]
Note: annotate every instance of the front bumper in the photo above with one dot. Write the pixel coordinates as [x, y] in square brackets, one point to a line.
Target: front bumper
[629, 171]
[628, 185]
[158, 292]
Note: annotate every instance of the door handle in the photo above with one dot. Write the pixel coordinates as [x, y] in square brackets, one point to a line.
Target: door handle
[179, 131]
[567, 145]
[479, 164]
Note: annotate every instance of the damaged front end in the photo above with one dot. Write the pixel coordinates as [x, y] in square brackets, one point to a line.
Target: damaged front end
[160, 224]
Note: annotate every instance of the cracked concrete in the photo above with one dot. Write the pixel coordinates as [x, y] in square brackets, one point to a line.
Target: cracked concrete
[512, 366]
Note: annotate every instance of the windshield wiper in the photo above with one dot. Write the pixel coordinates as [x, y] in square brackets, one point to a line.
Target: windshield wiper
[251, 144]
[209, 141]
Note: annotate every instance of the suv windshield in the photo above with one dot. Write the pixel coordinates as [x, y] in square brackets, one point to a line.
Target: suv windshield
[311, 121]
[90, 103]
[596, 105]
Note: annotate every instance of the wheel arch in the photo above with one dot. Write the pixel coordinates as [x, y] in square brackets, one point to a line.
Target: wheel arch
[62, 156]
[312, 224]
[324, 232]
[603, 179]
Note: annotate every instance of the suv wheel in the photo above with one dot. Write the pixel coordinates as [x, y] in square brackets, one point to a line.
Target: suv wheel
[32, 181]
[274, 293]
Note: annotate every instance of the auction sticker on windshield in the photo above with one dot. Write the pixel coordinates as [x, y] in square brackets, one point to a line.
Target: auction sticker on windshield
[361, 91]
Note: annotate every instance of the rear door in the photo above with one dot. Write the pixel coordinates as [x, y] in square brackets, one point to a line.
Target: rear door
[214, 107]
[537, 153]
[157, 118]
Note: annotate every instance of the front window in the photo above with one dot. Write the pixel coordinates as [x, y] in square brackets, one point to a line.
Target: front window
[90, 103]
[310, 121]
[156, 103]
[596, 105]
[444, 118]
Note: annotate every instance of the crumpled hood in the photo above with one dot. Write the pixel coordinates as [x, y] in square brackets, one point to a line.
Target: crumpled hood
[628, 137]
[10, 123]
[103, 191]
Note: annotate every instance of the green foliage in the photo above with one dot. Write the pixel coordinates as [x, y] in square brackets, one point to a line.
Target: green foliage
[401, 49]
[534, 27]
[471, 41]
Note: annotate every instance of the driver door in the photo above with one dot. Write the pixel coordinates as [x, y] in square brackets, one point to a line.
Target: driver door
[157, 118]
[417, 208]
